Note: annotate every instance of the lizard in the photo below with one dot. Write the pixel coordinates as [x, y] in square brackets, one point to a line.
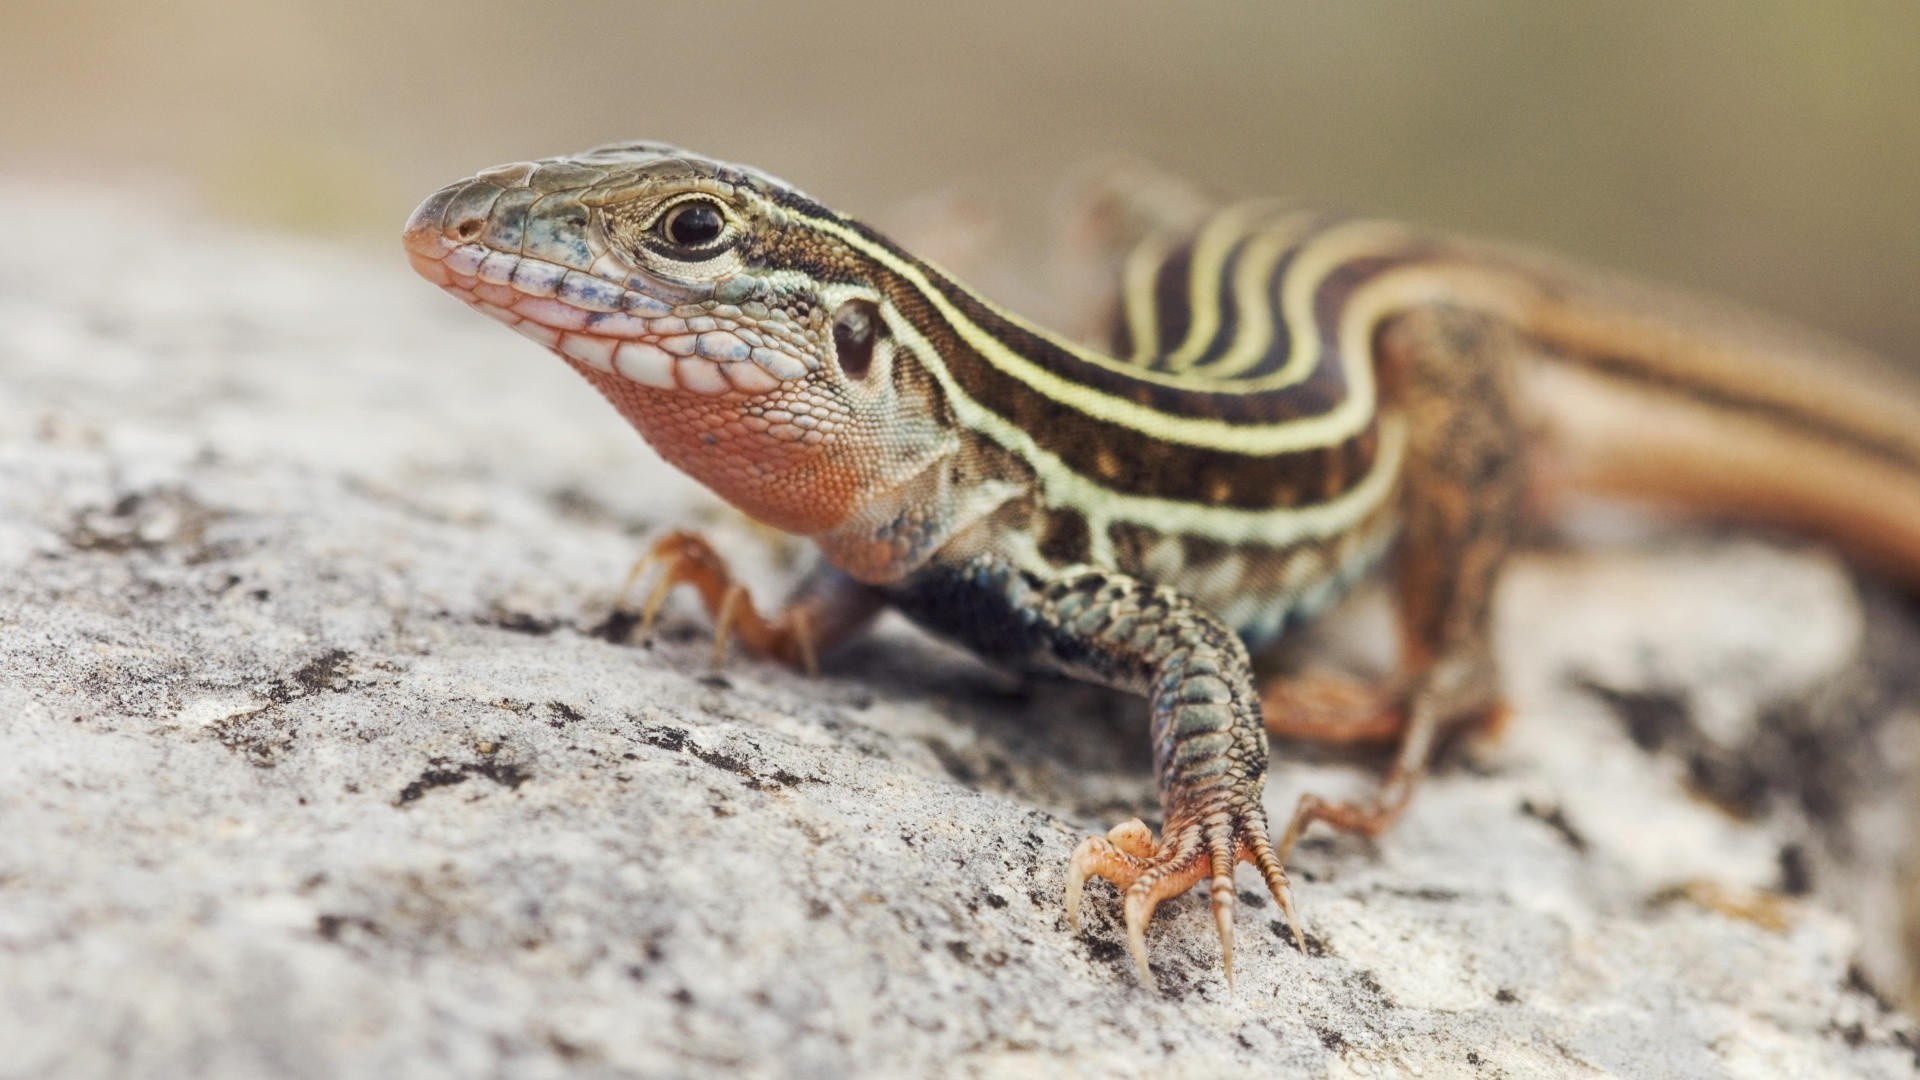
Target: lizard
[1291, 400]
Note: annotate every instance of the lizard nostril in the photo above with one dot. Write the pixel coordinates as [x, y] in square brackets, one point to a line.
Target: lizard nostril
[468, 229]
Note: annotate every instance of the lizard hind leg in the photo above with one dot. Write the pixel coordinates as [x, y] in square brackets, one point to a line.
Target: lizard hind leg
[1462, 496]
[1334, 709]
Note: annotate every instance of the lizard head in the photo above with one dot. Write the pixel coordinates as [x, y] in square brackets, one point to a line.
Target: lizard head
[728, 317]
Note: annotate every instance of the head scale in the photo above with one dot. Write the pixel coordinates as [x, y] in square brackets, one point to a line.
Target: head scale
[748, 343]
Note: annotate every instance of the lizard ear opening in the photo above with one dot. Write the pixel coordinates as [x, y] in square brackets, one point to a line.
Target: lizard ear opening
[856, 328]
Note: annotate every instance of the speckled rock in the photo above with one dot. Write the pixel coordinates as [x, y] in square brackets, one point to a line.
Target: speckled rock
[322, 754]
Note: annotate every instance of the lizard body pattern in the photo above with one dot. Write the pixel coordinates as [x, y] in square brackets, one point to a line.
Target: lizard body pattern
[1290, 399]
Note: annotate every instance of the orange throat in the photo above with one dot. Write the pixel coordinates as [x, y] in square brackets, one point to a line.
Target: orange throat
[794, 487]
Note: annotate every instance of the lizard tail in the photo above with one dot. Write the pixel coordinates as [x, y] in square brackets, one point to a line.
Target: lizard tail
[1661, 400]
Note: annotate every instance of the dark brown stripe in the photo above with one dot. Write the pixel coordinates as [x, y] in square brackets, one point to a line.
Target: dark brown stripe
[1172, 308]
[1634, 369]
[1065, 539]
[1173, 302]
[1282, 334]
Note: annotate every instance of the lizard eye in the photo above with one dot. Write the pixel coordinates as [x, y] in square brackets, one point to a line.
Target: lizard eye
[855, 327]
[693, 225]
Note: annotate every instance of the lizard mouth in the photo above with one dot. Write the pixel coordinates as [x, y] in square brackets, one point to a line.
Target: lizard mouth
[580, 304]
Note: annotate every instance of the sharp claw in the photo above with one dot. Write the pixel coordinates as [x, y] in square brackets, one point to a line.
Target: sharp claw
[1293, 919]
[1283, 892]
[1274, 871]
[656, 599]
[803, 637]
[1139, 909]
[1076, 881]
[723, 623]
[640, 567]
[1223, 906]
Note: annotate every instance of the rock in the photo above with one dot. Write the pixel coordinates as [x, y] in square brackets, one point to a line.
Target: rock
[321, 755]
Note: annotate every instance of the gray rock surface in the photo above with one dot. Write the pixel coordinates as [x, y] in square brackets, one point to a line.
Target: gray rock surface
[320, 756]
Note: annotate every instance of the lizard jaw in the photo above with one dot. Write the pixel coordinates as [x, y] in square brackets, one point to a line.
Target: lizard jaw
[593, 315]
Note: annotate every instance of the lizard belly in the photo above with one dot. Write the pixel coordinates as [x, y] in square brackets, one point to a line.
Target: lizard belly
[1260, 590]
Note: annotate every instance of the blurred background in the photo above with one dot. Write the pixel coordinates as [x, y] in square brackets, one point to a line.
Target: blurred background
[1769, 152]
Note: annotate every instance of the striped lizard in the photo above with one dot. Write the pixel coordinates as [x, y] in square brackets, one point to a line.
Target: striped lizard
[1290, 397]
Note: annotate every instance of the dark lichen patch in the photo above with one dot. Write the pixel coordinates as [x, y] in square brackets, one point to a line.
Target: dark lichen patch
[1654, 718]
[1729, 782]
[1506, 997]
[675, 739]
[1428, 893]
[1555, 817]
[1858, 982]
[568, 1050]
[1815, 750]
[1331, 1039]
[145, 521]
[1796, 871]
[519, 622]
[666, 738]
[1822, 752]
[507, 774]
[617, 628]
[440, 773]
[580, 505]
[1661, 720]
[324, 674]
[563, 714]
[1311, 944]
[1895, 1027]
[264, 735]
[430, 778]
[261, 737]
[332, 927]
[975, 768]
[768, 781]
[1369, 982]
[1106, 951]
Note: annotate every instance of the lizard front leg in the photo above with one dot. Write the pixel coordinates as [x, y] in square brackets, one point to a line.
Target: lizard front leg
[824, 609]
[1210, 751]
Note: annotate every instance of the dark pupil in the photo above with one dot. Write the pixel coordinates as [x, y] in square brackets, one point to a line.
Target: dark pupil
[692, 226]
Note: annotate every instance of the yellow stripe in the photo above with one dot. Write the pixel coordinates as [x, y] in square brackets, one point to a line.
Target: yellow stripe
[1204, 270]
[1396, 290]
[1137, 295]
[1253, 329]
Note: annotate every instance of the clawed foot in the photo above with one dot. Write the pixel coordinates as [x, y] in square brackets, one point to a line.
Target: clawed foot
[686, 558]
[1148, 872]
